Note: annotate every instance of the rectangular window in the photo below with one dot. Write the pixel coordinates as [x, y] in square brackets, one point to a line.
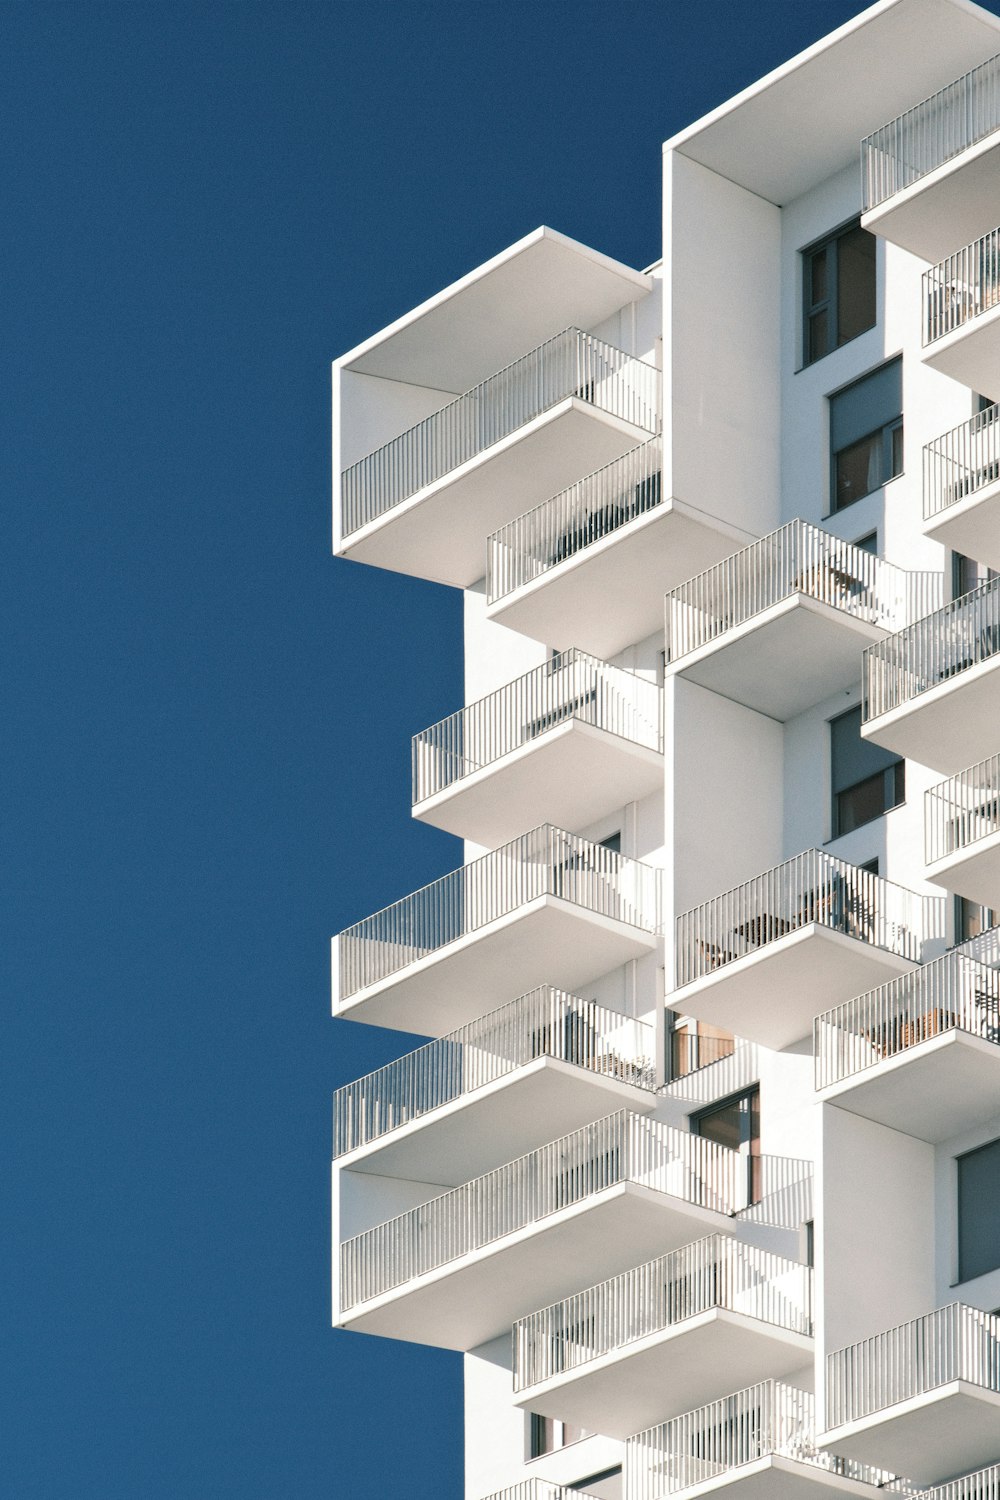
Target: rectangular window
[736, 1123]
[967, 574]
[696, 1044]
[838, 285]
[979, 1211]
[866, 434]
[866, 780]
[546, 1435]
[971, 919]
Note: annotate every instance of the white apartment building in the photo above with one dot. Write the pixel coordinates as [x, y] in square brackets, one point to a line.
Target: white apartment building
[699, 1166]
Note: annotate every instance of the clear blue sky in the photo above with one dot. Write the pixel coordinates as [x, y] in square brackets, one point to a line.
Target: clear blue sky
[206, 719]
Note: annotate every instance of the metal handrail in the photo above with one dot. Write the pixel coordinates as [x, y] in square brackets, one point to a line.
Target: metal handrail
[539, 1489]
[961, 286]
[571, 685]
[716, 1077]
[930, 133]
[545, 1023]
[984, 1484]
[962, 461]
[811, 887]
[713, 1273]
[576, 518]
[953, 993]
[928, 652]
[956, 1342]
[545, 862]
[797, 558]
[572, 364]
[962, 810]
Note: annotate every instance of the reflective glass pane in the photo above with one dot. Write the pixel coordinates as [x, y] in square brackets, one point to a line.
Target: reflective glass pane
[855, 284]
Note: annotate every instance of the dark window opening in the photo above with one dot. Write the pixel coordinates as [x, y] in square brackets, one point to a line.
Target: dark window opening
[979, 1211]
[838, 286]
[866, 435]
[867, 781]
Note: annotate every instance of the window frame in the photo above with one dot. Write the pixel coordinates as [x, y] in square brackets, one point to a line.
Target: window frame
[830, 304]
[893, 783]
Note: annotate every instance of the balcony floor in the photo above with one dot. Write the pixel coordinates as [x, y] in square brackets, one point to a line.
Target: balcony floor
[951, 206]
[690, 1364]
[971, 526]
[973, 871]
[440, 532]
[479, 1296]
[954, 1429]
[933, 1090]
[777, 1478]
[971, 354]
[784, 660]
[951, 726]
[570, 775]
[772, 995]
[546, 941]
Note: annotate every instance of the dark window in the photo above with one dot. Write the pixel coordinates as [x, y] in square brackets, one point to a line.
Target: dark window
[967, 574]
[971, 919]
[866, 780]
[546, 1435]
[979, 1211]
[612, 842]
[736, 1123]
[867, 543]
[696, 1044]
[866, 434]
[838, 284]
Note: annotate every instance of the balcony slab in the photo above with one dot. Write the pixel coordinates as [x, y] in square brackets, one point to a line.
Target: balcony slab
[971, 354]
[954, 724]
[571, 775]
[971, 526]
[953, 205]
[972, 871]
[658, 1377]
[953, 1429]
[777, 1478]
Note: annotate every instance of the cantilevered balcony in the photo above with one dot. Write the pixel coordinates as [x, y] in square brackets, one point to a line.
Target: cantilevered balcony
[535, 1069]
[425, 502]
[547, 906]
[962, 314]
[932, 691]
[756, 1444]
[962, 832]
[929, 177]
[570, 741]
[984, 1484]
[781, 624]
[763, 958]
[923, 1397]
[640, 1347]
[962, 488]
[589, 566]
[539, 1489]
[920, 1054]
[460, 1269]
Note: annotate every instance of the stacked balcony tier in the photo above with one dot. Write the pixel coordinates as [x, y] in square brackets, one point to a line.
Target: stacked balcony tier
[962, 829]
[920, 1054]
[640, 1347]
[546, 907]
[532, 1070]
[539, 1489]
[931, 692]
[962, 315]
[780, 625]
[761, 959]
[570, 741]
[962, 488]
[924, 1397]
[982, 1485]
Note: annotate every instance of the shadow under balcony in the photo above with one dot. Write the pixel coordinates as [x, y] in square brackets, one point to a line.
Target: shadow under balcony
[756, 1444]
[546, 906]
[589, 566]
[921, 1054]
[425, 502]
[568, 742]
[962, 315]
[540, 1067]
[780, 625]
[639, 1348]
[763, 958]
[962, 831]
[923, 1397]
[962, 488]
[931, 692]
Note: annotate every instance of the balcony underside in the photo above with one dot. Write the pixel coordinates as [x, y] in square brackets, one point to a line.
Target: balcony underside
[546, 941]
[776, 1478]
[784, 660]
[954, 1429]
[440, 532]
[953, 205]
[479, 1296]
[772, 995]
[661, 1376]
[527, 1108]
[971, 526]
[971, 353]
[953, 725]
[609, 595]
[973, 871]
[933, 1090]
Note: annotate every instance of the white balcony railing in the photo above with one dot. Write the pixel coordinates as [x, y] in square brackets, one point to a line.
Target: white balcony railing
[961, 461]
[984, 1484]
[571, 685]
[708, 1068]
[545, 862]
[546, 1023]
[931, 650]
[954, 1343]
[539, 1489]
[953, 993]
[931, 133]
[962, 810]
[715, 1272]
[571, 364]
[961, 286]
[798, 558]
[770, 1419]
[559, 528]
[812, 887]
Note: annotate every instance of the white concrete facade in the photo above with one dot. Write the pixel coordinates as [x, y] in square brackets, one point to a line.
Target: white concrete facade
[683, 1168]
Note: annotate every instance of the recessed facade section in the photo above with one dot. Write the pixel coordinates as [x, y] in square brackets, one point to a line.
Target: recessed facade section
[962, 488]
[962, 315]
[962, 830]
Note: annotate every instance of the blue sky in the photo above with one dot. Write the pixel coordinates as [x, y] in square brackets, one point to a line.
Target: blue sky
[205, 754]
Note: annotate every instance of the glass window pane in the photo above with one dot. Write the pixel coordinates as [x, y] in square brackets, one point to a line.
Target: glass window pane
[819, 342]
[979, 1211]
[896, 459]
[858, 470]
[855, 284]
[860, 804]
[817, 277]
